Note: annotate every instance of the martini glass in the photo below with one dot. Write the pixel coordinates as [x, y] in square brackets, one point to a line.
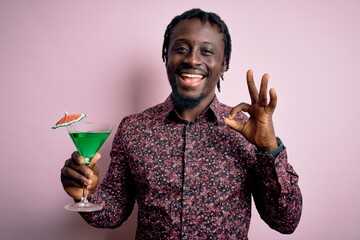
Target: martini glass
[88, 138]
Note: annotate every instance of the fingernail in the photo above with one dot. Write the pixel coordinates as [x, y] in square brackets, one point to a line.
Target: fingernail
[88, 173]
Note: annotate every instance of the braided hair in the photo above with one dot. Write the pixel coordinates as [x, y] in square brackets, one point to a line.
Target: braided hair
[213, 18]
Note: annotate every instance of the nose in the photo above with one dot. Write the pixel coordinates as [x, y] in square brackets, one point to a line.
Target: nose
[193, 58]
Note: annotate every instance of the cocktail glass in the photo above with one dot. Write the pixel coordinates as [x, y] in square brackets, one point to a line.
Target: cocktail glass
[88, 138]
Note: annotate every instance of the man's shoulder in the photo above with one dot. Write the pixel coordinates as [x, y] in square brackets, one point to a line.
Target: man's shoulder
[155, 113]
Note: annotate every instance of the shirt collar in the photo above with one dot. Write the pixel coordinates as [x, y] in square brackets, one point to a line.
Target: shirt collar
[211, 114]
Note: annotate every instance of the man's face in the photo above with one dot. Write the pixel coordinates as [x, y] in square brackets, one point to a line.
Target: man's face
[195, 61]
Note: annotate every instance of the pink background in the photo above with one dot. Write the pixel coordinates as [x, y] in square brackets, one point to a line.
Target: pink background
[103, 58]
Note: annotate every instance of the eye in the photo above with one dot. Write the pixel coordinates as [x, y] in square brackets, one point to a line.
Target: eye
[181, 49]
[207, 51]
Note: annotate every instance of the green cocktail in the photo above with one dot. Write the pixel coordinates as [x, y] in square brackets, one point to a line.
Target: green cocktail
[88, 143]
[88, 138]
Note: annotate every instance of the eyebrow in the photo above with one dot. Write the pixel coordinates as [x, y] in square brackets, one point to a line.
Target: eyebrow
[186, 40]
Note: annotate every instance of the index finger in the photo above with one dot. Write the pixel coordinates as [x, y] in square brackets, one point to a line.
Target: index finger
[78, 159]
[254, 95]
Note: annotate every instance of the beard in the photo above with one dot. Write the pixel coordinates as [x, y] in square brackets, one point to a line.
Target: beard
[182, 101]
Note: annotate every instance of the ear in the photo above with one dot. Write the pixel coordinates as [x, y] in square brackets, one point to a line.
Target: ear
[225, 65]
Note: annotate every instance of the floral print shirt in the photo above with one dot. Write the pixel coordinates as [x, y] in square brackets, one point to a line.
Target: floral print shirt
[193, 180]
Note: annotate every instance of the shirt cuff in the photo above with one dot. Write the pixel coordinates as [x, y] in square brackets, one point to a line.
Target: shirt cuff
[274, 153]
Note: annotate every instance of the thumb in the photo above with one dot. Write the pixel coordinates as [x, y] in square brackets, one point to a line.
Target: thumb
[94, 160]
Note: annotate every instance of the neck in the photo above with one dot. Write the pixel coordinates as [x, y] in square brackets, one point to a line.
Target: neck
[191, 114]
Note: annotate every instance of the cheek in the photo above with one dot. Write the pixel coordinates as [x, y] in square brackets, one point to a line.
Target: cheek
[170, 71]
[215, 69]
[171, 63]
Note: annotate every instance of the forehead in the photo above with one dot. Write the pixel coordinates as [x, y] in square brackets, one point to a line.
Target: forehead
[195, 30]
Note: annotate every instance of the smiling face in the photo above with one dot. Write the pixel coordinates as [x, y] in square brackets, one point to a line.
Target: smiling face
[195, 62]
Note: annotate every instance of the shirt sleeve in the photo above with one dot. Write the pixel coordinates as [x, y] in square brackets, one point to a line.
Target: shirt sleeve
[116, 193]
[276, 192]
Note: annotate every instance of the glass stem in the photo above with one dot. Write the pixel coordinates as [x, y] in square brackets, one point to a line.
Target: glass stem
[84, 198]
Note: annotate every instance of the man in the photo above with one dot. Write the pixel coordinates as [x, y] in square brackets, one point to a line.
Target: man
[193, 163]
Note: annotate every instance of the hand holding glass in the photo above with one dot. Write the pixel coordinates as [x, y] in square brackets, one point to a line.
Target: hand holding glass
[88, 138]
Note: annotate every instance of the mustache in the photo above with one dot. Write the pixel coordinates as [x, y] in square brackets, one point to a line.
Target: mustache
[184, 66]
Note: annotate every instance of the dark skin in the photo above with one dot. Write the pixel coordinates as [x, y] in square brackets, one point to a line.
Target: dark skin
[75, 174]
[259, 128]
[194, 65]
[195, 48]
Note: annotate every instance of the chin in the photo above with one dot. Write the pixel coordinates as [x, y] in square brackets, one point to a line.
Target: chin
[184, 101]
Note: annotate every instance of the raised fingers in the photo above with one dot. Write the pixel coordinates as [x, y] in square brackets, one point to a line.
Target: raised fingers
[273, 99]
[263, 90]
[254, 95]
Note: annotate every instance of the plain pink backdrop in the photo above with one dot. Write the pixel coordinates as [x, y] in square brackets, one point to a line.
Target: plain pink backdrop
[103, 58]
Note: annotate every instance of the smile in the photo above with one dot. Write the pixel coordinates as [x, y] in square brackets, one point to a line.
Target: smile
[189, 75]
[190, 79]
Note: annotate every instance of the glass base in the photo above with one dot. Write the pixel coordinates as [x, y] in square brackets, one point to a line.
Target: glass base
[83, 207]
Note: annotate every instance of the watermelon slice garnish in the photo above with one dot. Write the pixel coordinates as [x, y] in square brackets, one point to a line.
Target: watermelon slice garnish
[69, 119]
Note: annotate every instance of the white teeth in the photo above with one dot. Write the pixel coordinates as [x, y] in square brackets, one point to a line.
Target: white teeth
[189, 75]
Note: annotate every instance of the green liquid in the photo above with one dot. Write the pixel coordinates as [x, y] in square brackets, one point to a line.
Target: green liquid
[88, 143]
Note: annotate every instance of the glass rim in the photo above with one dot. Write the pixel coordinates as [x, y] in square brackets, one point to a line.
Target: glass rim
[82, 126]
